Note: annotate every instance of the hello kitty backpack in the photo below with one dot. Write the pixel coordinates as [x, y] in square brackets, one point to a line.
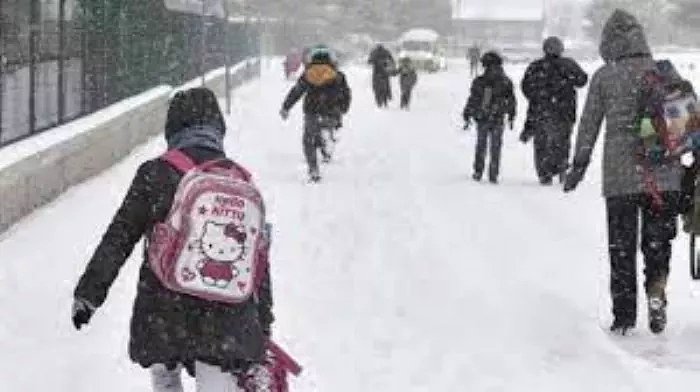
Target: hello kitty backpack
[214, 241]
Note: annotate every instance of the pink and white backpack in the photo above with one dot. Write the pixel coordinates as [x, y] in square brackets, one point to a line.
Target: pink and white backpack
[214, 241]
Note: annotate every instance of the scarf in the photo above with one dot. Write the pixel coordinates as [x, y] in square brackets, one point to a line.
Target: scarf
[199, 136]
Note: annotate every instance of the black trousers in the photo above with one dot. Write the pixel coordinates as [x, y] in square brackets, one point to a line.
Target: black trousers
[489, 134]
[406, 98]
[312, 141]
[658, 229]
[381, 85]
[552, 147]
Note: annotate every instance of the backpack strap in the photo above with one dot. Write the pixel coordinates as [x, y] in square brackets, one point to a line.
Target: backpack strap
[179, 160]
[239, 170]
[183, 163]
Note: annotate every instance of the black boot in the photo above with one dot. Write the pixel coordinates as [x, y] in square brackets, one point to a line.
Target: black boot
[314, 175]
[476, 177]
[621, 327]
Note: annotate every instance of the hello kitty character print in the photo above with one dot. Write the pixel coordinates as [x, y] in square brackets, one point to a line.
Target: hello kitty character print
[212, 244]
[224, 247]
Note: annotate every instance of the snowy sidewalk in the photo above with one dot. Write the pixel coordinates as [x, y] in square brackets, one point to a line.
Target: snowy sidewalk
[397, 273]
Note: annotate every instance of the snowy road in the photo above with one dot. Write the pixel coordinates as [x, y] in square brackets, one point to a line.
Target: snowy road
[398, 273]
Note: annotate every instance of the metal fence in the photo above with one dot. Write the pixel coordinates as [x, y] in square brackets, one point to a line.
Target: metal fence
[61, 59]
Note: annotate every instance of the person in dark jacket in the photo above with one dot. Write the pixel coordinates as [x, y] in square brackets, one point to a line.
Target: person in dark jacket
[383, 66]
[550, 87]
[170, 330]
[408, 77]
[327, 98]
[491, 100]
[614, 96]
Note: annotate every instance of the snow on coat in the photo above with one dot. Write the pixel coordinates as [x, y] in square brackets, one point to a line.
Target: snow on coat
[167, 327]
[614, 95]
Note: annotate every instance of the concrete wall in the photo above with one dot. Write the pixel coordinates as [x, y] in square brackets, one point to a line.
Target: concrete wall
[35, 171]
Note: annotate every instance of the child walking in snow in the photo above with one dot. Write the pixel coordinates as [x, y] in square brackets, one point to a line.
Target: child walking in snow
[408, 77]
[491, 100]
[222, 343]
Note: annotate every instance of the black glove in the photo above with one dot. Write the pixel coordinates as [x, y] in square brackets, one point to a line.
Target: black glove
[82, 312]
[467, 124]
[574, 177]
[525, 137]
[284, 113]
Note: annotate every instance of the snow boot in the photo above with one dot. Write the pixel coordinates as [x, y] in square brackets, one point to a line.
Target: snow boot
[476, 177]
[656, 305]
[657, 314]
[621, 327]
[546, 181]
[314, 175]
[493, 180]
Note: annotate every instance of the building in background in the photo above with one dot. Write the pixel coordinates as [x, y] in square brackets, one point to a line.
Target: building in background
[496, 23]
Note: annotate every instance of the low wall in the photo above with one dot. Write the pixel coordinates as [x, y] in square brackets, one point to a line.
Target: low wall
[35, 171]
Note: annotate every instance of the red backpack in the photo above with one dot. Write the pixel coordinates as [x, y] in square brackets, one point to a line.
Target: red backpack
[214, 241]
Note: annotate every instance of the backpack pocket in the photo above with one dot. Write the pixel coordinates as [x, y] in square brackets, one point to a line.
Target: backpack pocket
[161, 249]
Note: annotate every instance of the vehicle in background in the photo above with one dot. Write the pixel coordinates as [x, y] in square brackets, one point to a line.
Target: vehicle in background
[423, 47]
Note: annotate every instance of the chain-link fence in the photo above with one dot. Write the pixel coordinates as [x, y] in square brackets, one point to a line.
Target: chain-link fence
[61, 59]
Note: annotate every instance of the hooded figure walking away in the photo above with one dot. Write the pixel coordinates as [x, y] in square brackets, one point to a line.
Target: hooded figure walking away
[550, 86]
[491, 100]
[383, 65]
[408, 77]
[327, 98]
[615, 95]
[220, 342]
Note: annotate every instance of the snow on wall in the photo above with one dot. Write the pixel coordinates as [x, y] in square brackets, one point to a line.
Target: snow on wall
[35, 171]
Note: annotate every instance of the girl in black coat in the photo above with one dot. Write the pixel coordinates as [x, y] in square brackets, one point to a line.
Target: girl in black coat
[171, 330]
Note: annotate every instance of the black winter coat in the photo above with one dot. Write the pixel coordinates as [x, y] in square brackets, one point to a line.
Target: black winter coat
[550, 86]
[325, 89]
[491, 97]
[382, 62]
[167, 327]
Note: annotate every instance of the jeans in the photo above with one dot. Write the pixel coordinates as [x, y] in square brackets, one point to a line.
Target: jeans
[488, 134]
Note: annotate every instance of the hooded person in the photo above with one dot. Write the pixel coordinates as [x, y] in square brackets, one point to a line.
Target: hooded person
[550, 85]
[383, 65]
[615, 95]
[490, 103]
[327, 97]
[170, 330]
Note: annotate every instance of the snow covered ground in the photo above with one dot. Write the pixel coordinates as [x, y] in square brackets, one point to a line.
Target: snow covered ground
[397, 273]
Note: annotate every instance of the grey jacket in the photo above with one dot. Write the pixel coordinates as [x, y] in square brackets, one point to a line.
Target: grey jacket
[614, 95]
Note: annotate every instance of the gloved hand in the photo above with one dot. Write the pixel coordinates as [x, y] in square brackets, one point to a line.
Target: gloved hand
[467, 124]
[525, 137]
[284, 114]
[574, 177]
[82, 312]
